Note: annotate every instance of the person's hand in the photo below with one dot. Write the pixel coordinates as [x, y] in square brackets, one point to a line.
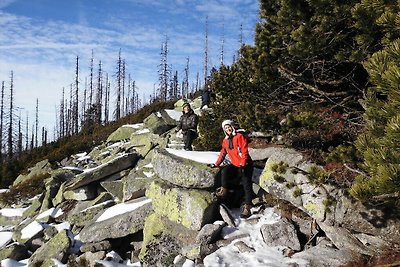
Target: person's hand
[212, 165]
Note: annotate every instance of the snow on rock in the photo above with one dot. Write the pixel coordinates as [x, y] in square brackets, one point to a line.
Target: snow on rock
[9, 212]
[62, 226]
[13, 263]
[148, 166]
[149, 174]
[176, 115]
[134, 126]
[53, 212]
[31, 230]
[143, 131]
[121, 209]
[198, 156]
[5, 238]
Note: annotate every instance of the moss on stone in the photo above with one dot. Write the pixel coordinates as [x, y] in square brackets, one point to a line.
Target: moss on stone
[191, 208]
[267, 175]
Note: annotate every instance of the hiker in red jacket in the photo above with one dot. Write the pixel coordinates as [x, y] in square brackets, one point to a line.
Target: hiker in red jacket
[235, 145]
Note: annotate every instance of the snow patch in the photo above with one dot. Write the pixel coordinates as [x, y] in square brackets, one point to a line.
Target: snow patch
[143, 131]
[176, 115]
[9, 212]
[134, 126]
[53, 212]
[198, 156]
[5, 238]
[121, 209]
[31, 230]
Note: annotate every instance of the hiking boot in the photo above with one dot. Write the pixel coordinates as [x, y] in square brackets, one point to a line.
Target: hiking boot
[245, 211]
[221, 192]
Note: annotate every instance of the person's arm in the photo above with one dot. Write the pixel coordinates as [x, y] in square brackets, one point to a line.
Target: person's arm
[221, 157]
[193, 121]
[243, 146]
[179, 127]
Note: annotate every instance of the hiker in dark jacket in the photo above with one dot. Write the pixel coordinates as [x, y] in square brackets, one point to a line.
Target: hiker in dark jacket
[188, 125]
[206, 97]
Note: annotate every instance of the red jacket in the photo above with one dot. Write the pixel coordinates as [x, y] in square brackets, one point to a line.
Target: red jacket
[238, 155]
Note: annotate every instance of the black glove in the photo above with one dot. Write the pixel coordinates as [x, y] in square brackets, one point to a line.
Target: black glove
[211, 165]
[241, 171]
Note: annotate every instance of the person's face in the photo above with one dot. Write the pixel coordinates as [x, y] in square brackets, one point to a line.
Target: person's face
[186, 109]
[228, 129]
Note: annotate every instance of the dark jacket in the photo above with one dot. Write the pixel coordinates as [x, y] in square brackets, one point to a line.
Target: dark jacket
[188, 121]
[205, 98]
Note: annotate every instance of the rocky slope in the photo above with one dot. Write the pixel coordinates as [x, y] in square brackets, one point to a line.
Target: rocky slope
[138, 199]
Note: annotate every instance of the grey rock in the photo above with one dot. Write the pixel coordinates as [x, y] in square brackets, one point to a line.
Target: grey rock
[227, 215]
[191, 208]
[182, 172]
[243, 247]
[95, 247]
[14, 251]
[55, 248]
[117, 226]
[114, 166]
[281, 233]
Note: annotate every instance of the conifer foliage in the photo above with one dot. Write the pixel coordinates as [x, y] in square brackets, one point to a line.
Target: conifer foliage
[379, 144]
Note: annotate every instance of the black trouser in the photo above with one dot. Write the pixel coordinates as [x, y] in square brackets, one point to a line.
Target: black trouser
[230, 174]
[188, 137]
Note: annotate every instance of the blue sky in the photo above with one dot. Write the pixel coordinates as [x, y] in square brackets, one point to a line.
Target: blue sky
[40, 39]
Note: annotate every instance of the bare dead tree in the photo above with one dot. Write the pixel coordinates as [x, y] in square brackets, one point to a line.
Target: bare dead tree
[75, 112]
[2, 119]
[123, 86]
[185, 85]
[164, 72]
[10, 139]
[119, 87]
[206, 53]
[99, 95]
[106, 100]
[36, 122]
[27, 132]
[91, 82]
[19, 143]
[222, 44]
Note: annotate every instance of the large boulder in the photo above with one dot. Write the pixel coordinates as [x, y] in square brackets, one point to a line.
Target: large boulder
[116, 165]
[123, 133]
[110, 225]
[56, 248]
[182, 172]
[191, 208]
[163, 240]
[41, 168]
[159, 122]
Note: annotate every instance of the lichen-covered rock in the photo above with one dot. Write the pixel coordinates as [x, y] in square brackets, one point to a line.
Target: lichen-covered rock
[101, 172]
[191, 208]
[163, 240]
[14, 251]
[334, 211]
[81, 217]
[55, 248]
[281, 233]
[121, 134]
[144, 142]
[129, 222]
[159, 122]
[115, 188]
[182, 172]
[135, 185]
[41, 168]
